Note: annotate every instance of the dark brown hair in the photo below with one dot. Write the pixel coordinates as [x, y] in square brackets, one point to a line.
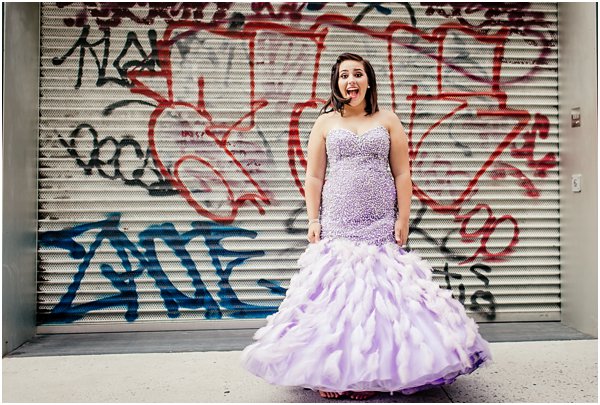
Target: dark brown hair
[336, 99]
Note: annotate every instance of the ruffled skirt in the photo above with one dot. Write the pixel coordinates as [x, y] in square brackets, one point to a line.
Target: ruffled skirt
[361, 317]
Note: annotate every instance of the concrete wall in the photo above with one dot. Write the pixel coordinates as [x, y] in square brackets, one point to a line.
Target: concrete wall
[20, 130]
[578, 154]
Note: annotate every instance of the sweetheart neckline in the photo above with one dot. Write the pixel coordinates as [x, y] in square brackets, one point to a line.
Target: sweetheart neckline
[361, 135]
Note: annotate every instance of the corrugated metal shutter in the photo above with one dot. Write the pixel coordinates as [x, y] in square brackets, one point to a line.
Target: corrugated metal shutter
[172, 138]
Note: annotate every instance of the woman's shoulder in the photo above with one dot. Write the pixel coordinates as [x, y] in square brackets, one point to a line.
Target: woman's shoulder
[326, 119]
[389, 118]
[388, 115]
[327, 116]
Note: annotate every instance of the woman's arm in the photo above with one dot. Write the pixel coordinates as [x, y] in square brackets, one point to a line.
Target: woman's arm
[315, 175]
[400, 166]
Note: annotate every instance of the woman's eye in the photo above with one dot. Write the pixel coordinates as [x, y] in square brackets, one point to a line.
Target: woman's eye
[344, 76]
[359, 75]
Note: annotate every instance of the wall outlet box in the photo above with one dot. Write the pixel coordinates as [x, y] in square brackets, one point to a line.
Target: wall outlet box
[575, 117]
[576, 183]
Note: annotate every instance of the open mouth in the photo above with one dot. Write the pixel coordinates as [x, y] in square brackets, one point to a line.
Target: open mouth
[353, 93]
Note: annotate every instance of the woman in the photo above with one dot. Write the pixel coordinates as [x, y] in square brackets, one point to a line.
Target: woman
[363, 314]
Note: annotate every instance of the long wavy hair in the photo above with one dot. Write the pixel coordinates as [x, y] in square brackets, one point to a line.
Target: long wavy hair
[337, 101]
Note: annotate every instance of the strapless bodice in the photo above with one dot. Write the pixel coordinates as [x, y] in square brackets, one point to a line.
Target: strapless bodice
[372, 147]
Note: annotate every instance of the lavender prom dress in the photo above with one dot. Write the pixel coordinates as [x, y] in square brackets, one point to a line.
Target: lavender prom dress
[362, 314]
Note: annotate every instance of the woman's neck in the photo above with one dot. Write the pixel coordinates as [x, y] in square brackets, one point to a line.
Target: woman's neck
[353, 112]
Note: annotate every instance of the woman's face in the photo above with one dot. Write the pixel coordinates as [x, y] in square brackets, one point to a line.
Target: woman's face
[353, 81]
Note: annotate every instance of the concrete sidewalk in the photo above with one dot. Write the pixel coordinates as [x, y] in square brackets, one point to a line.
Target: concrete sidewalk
[545, 371]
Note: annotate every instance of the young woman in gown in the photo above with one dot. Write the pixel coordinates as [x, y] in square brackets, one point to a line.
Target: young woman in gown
[363, 314]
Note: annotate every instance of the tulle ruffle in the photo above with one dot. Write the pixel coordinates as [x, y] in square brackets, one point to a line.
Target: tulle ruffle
[361, 317]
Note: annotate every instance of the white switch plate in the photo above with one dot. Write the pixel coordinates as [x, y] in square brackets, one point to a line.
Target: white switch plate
[576, 183]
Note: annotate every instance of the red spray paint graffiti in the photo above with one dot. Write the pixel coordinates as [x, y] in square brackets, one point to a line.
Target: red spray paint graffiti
[520, 120]
[167, 102]
[184, 22]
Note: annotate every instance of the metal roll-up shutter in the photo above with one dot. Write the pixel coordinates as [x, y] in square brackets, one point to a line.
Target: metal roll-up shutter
[173, 138]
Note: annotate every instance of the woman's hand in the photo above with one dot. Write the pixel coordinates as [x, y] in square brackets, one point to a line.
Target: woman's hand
[314, 232]
[401, 231]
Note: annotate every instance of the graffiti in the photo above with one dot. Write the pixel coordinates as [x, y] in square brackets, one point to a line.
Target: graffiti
[197, 116]
[490, 312]
[483, 294]
[298, 162]
[439, 174]
[111, 168]
[278, 88]
[110, 15]
[540, 129]
[293, 11]
[135, 259]
[274, 287]
[501, 171]
[516, 16]
[147, 60]
[450, 255]
[484, 233]
[373, 6]
[107, 15]
[222, 97]
[517, 121]
[441, 245]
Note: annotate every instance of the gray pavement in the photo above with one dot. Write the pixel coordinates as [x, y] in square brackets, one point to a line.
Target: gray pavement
[532, 371]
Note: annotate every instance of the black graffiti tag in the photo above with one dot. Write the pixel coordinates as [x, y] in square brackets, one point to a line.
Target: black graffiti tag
[111, 167]
[122, 63]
